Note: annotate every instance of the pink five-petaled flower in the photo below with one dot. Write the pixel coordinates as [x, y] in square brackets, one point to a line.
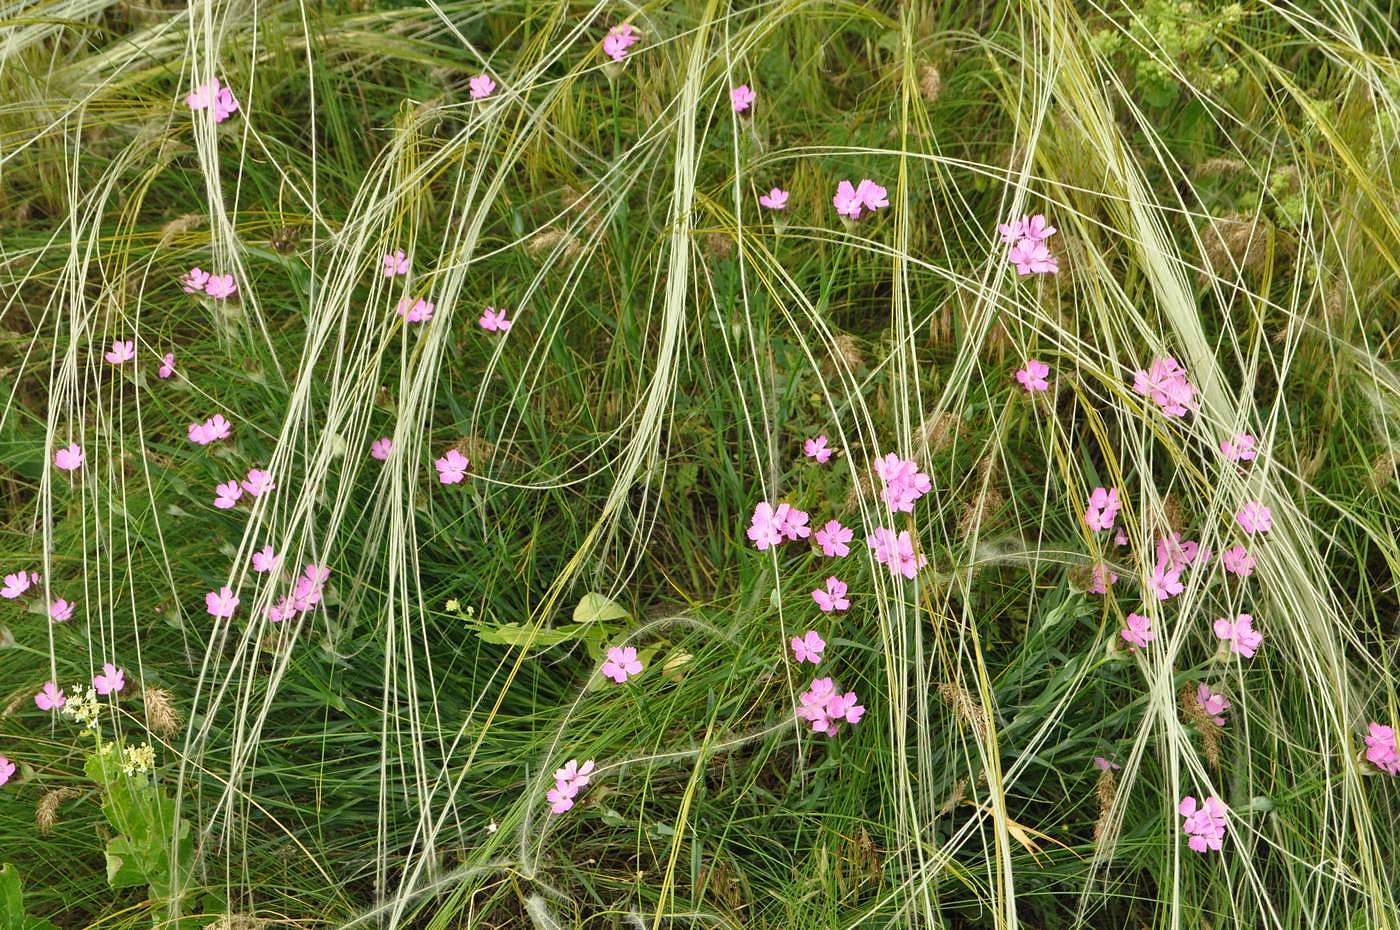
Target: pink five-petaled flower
[1166, 581]
[15, 585]
[481, 86]
[741, 98]
[61, 611]
[833, 598]
[493, 320]
[1100, 578]
[1103, 509]
[226, 495]
[1214, 705]
[1034, 376]
[265, 559]
[816, 448]
[220, 286]
[1204, 825]
[792, 523]
[619, 39]
[221, 603]
[381, 447]
[1240, 634]
[1031, 256]
[68, 459]
[1239, 447]
[452, 467]
[764, 527]
[1105, 765]
[415, 310]
[1179, 553]
[1254, 517]
[7, 770]
[808, 647]
[622, 663]
[110, 681]
[776, 199]
[193, 281]
[258, 482]
[50, 697]
[825, 708]
[211, 430]
[1137, 630]
[167, 366]
[835, 539]
[1164, 381]
[1036, 228]
[568, 781]
[122, 351]
[867, 195]
[1381, 749]
[895, 551]
[395, 263]
[214, 97]
[904, 483]
[1238, 561]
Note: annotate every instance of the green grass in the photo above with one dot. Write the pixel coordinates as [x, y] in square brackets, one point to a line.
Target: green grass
[1224, 182]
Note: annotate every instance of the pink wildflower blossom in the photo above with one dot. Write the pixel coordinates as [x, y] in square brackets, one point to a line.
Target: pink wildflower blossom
[452, 467]
[896, 552]
[69, 458]
[1238, 561]
[764, 526]
[808, 647]
[619, 39]
[835, 539]
[1103, 509]
[259, 482]
[1166, 581]
[1031, 256]
[194, 280]
[61, 611]
[481, 86]
[1178, 553]
[110, 681]
[221, 603]
[167, 366]
[1105, 765]
[1100, 578]
[1381, 749]
[568, 781]
[15, 585]
[825, 708]
[50, 697]
[1240, 634]
[792, 523]
[1239, 447]
[850, 201]
[1034, 376]
[833, 598]
[415, 310]
[7, 770]
[493, 320]
[1205, 825]
[1035, 227]
[1164, 381]
[622, 663]
[395, 263]
[265, 559]
[226, 495]
[1254, 517]
[904, 483]
[1213, 704]
[817, 448]
[220, 286]
[775, 199]
[741, 98]
[211, 430]
[381, 447]
[122, 351]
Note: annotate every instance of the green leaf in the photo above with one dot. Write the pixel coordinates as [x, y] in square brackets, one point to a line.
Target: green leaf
[12, 913]
[516, 634]
[595, 608]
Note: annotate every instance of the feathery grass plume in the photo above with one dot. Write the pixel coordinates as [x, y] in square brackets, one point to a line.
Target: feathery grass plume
[964, 706]
[1220, 165]
[239, 922]
[987, 498]
[940, 429]
[178, 227]
[46, 811]
[162, 716]
[547, 240]
[1106, 790]
[1196, 716]
[1235, 243]
[930, 82]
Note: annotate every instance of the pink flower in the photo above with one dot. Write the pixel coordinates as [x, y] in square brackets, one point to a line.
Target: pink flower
[1238, 561]
[226, 495]
[284, 609]
[775, 199]
[835, 539]
[904, 483]
[493, 320]
[1103, 509]
[741, 98]
[1166, 581]
[872, 195]
[833, 598]
[110, 681]
[808, 647]
[1164, 381]
[220, 286]
[61, 611]
[167, 366]
[1012, 232]
[1033, 376]
[211, 430]
[1100, 577]
[194, 280]
[568, 781]
[121, 352]
[306, 594]
[817, 449]
[622, 663]
[560, 799]
[51, 697]
[1031, 256]
[825, 708]
[381, 447]
[395, 263]
[415, 311]
[1213, 704]
[1254, 517]
[765, 529]
[1381, 750]
[204, 95]
[225, 105]
[1240, 634]
[1120, 538]
[574, 774]
[792, 523]
[1036, 228]
[258, 482]
[481, 86]
[265, 559]
[850, 201]
[452, 467]
[69, 459]
[221, 603]
[7, 770]
[1239, 447]
[15, 585]
[619, 39]
[1176, 552]
[896, 552]
[1105, 765]
[1205, 826]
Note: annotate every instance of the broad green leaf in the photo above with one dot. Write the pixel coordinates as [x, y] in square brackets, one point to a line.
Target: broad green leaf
[516, 634]
[595, 608]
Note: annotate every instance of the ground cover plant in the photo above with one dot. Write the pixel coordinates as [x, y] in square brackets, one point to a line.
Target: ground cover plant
[788, 464]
